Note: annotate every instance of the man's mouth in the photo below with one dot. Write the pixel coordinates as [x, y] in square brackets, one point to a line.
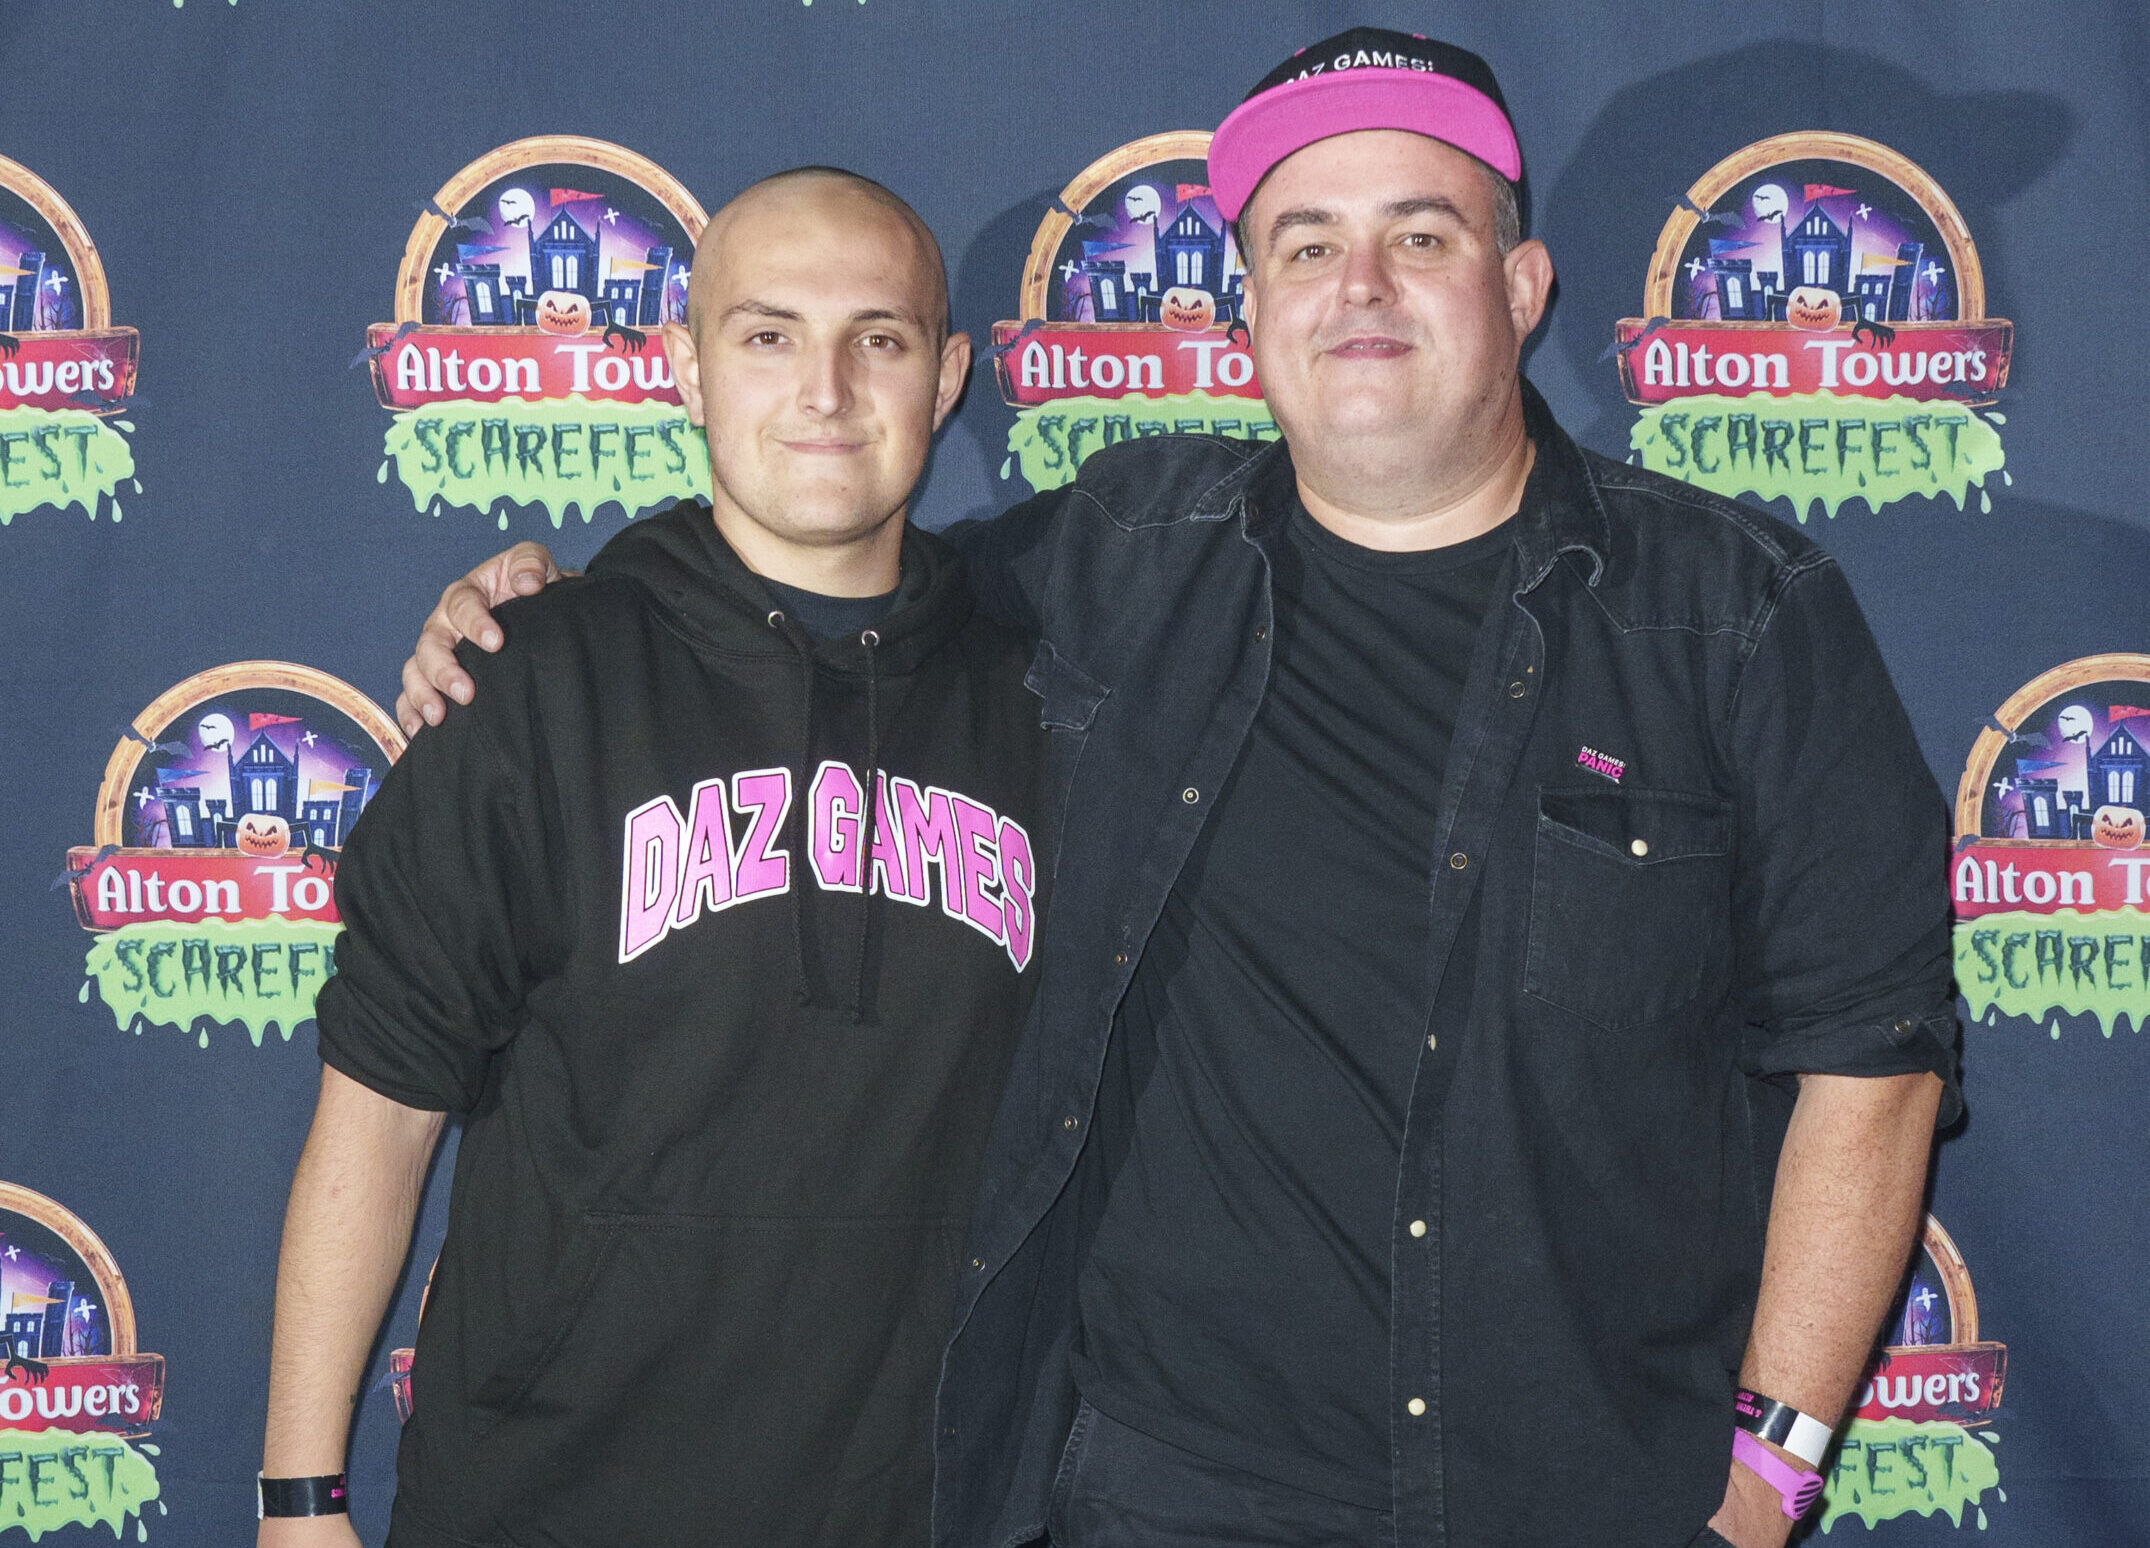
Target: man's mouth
[1370, 346]
[821, 448]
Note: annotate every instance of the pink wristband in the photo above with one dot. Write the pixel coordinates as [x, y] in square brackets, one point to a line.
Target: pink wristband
[1799, 1490]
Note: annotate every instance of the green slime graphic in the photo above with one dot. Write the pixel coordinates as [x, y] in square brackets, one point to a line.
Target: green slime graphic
[1050, 440]
[58, 457]
[261, 973]
[565, 454]
[2078, 963]
[1886, 1468]
[1815, 447]
[51, 1479]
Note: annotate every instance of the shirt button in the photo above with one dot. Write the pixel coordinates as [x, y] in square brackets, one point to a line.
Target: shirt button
[1639, 848]
[1903, 1026]
[1458, 860]
[1515, 690]
[1416, 1407]
[1190, 795]
[1418, 1228]
[1067, 1123]
[1261, 633]
[977, 1263]
[1433, 1041]
[1119, 956]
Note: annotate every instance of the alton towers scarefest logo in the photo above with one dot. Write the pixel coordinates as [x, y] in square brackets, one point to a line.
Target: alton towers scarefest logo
[524, 364]
[209, 886]
[1815, 331]
[1131, 318]
[77, 1398]
[2049, 873]
[1921, 1441]
[66, 373]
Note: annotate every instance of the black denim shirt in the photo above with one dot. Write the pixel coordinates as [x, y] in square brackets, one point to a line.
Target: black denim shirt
[1700, 850]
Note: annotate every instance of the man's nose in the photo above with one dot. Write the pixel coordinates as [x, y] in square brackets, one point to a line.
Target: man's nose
[1366, 277]
[825, 381]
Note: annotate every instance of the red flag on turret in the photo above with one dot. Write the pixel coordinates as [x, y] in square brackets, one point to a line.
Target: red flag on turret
[256, 721]
[1824, 191]
[571, 196]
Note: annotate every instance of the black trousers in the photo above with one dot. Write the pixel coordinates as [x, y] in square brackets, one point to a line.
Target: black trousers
[1119, 1488]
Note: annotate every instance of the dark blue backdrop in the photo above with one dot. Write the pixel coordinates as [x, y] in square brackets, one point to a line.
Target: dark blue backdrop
[250, 174]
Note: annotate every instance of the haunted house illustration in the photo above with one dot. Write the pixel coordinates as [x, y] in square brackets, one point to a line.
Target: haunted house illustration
[18, 293]
[1189, 256]
[51, 1326]
[564, 257]
[264, 780]
[1816, 255]
[2118, 775]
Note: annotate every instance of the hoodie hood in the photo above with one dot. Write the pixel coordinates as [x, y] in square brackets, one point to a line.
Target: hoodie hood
[715, 603]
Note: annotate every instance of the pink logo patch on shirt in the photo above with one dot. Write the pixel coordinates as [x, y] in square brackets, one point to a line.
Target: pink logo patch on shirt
[1601, 763]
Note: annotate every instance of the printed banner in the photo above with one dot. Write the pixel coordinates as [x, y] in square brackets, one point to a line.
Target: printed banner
[1131, 315]
[66, 373]
[1816, 332]
[525, 364]
[77, 1398]
[209, 883]
[2049, 871]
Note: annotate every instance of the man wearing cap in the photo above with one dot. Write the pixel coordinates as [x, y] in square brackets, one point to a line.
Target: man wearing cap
[1496, 999]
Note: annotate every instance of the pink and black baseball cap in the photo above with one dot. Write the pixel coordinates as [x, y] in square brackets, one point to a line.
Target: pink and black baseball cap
[1367, 78]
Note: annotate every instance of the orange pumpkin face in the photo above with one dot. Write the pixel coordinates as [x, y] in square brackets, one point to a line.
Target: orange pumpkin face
[263, 835]
[1810, 306]
[1188, 309]
[562, 311]
[2117, 827]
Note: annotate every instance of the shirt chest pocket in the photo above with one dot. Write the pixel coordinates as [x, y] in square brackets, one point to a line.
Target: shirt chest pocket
[1630, 902]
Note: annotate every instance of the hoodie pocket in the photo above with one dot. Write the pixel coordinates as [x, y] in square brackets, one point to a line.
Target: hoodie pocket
[1630, 902]
[768, 1377]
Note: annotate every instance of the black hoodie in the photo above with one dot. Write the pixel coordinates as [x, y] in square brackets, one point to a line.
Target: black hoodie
[722, 1129]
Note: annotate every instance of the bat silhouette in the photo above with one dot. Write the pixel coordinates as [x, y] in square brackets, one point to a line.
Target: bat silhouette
[1616, 347]
[1708, 217]
[329, 858]
[1062, 207]
[458, 222]
[128, 733]
[1877, 335]
[623, 338]
[32, 1370]
[375, 351]
[67, 877]
[9, 344]
[995, 351]
[1237, 333]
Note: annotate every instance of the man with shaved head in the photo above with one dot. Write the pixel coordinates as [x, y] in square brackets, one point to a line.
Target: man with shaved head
[716, 924]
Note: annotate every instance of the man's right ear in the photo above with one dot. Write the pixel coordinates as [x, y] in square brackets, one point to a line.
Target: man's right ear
[686, 368]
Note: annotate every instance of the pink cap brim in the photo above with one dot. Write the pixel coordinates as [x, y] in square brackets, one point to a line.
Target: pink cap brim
[1263, 130]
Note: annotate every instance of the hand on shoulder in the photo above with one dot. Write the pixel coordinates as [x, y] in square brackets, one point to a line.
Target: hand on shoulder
[432, 676]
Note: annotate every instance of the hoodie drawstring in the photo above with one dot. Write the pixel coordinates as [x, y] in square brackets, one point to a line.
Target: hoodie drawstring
[792, 825]
[869, 639]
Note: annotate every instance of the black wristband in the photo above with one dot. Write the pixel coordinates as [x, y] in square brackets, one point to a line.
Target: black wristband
[324, 1496]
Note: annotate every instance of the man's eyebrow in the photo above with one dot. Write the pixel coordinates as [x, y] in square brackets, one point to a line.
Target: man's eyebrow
[1427, 204]
[1305, 215]
[1401, 209]
[787, 314]
[889, 314]
[761, 309]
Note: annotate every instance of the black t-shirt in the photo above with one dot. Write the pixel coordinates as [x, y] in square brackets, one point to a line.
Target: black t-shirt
[824, 617]
[1236, 1299]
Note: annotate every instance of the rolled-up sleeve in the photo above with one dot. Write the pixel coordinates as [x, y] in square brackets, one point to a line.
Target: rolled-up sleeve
[443, 902]
[1841, 897]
